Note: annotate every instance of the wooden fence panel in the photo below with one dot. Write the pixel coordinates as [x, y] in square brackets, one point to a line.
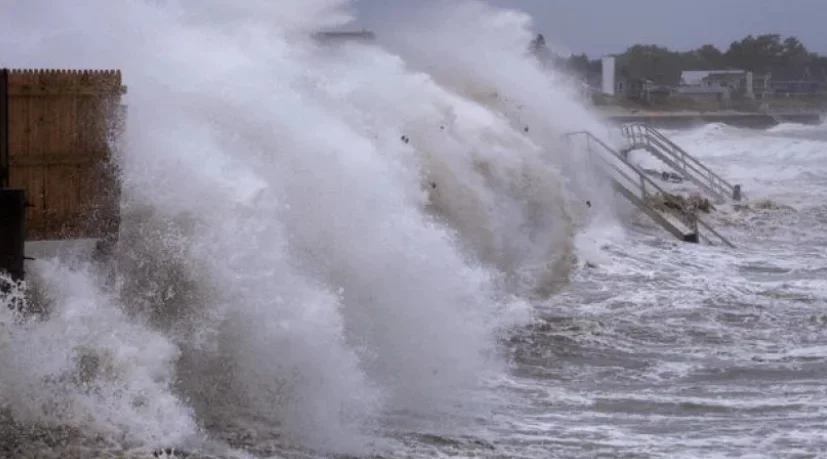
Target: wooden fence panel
[62, 126]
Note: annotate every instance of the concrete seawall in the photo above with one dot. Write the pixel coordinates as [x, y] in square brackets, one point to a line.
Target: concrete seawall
[684, 120]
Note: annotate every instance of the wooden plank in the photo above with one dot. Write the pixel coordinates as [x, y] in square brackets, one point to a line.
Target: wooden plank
[60, 111]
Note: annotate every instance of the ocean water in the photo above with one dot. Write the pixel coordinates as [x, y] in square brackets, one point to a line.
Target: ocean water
[678, 350]
[383, 251]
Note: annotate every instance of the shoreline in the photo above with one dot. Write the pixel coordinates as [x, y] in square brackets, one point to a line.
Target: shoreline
[685, 119]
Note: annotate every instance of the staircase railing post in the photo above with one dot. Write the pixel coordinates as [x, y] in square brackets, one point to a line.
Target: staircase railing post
[12, 202]
[736, 192]
[4, 128]
[12, 233]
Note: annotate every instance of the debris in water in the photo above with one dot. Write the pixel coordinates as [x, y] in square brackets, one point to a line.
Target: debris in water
[692, 204]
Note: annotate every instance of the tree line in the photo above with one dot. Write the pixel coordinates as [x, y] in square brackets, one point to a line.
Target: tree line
[785, 58]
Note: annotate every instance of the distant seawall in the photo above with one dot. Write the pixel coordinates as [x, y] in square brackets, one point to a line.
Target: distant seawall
[688, 120]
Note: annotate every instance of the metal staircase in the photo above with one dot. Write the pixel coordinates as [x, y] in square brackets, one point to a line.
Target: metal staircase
[640, 190]
[642, 137]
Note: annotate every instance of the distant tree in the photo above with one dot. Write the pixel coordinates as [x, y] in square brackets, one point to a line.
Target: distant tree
[785, 58]
[651, 62]
[581, 65]
[539, 48]
[759, 54]
[538, 42]
[707, 57]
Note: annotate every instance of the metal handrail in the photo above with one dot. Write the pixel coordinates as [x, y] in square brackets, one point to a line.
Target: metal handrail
[686, 156]
[642, 134]
[687, 218]
[711, 183]
[690, 219]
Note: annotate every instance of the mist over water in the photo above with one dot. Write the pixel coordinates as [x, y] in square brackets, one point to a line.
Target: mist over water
[313, 236]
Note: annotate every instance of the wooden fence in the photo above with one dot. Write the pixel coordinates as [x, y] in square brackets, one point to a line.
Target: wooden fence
[58, 129]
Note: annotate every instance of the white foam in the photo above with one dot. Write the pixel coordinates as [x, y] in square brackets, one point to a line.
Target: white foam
[283, 258]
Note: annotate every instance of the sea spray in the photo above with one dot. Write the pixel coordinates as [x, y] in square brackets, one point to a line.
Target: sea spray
[85, 365]
[531, 186]
[287, 255]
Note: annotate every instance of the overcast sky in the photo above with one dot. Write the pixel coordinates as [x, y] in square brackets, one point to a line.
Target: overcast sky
[608, 26]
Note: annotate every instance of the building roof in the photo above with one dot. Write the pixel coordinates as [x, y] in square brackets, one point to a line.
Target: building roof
[696, 77]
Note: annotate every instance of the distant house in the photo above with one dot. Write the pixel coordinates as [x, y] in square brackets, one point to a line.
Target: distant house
[642, 90]
[717, 94]
[799, 87]
[655, 93]
[736, 82]
[795, 82]
[710, 77]
[630, 87]
[806, 84]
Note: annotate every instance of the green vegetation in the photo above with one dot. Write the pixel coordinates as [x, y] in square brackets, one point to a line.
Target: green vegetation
[671, 104]
[784, 58]
[798, 76]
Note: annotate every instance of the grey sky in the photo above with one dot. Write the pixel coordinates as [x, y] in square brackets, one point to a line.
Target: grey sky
[606, 26]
